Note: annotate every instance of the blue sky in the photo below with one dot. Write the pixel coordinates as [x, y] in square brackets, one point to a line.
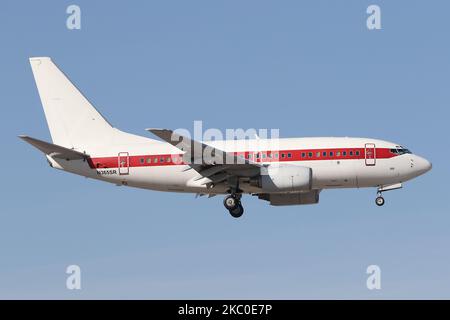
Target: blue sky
[309, 68]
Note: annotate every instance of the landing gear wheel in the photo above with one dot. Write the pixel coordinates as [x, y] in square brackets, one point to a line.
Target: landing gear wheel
[230, 202]
[379, 201]
[237, 212]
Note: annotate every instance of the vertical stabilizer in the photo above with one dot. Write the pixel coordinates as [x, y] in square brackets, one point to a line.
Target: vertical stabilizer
[71, 118]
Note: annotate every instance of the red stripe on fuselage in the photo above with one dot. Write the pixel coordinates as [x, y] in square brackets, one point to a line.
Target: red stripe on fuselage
[264, 156]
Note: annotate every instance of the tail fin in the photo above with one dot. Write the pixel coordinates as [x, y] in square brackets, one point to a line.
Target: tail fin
[71, 118]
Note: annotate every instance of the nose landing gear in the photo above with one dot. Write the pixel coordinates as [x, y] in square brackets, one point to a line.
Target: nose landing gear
[379, 200]
[233, 204]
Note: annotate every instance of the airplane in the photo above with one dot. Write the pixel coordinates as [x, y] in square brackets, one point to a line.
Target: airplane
[282, 171]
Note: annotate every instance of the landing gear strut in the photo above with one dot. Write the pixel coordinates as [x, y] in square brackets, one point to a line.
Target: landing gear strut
[382, 188]
[233, 204]
[379, 200]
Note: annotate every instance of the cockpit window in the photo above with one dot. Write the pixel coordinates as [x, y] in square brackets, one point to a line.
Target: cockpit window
[400, 150]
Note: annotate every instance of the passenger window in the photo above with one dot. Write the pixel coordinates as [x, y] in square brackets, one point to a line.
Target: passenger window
[149, 160]
[331, 153]
[324, 153]
[303, 154]
[168, 159]
[276, 155]
[161, 159]
[344, 153]
[357, 153]
[351, 153]
[142, 160]
[289, 155]
[318, 154]
[310, 154]
[338, 153]
[283, 155]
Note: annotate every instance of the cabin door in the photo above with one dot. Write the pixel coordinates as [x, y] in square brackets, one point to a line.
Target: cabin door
[123, 163]
[370, 154]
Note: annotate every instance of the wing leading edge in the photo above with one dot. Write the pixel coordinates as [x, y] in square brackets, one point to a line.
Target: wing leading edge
[214, 165]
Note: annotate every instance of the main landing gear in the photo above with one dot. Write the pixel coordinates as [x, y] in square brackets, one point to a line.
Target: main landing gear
[233, 204]
[379, 199]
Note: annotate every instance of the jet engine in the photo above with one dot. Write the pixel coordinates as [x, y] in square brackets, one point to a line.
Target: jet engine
[283, 178]
[286, 199]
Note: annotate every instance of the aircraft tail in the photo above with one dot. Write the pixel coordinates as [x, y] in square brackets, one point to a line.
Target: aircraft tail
[73, 121]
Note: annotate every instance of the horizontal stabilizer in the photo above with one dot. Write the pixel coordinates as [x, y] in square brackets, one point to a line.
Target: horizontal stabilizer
[54, 150]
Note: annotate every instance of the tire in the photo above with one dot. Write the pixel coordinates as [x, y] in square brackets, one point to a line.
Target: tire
[237, 212]
[379, 201]
[230, 202]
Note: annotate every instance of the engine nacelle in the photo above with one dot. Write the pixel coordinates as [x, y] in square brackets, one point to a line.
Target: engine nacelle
[287, 199]
[284, 178]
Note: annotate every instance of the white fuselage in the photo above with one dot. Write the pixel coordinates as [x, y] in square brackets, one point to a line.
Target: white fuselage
[282, 171]
[335, 163]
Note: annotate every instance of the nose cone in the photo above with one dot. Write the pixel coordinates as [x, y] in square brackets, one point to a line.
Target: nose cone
[422, 165]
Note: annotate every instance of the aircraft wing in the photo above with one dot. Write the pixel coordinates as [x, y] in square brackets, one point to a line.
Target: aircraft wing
[213, 164]
[199, 152]
[54, 150]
